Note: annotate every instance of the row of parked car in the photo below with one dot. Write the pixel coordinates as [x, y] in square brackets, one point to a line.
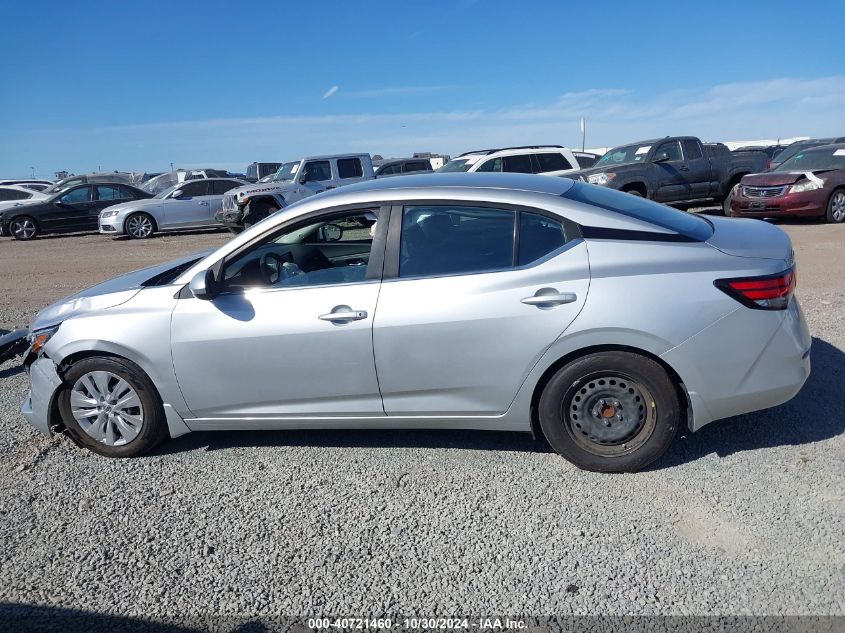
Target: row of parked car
[806, 178]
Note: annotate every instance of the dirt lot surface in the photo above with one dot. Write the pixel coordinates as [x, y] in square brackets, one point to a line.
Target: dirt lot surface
[746, 516]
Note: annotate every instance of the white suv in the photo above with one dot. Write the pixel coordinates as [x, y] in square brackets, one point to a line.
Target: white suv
[549, 160]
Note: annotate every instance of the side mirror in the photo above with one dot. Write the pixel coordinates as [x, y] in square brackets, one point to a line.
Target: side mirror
[331, 232]
[303, 177]
[202, 286]
[177, 194]
[662, 157]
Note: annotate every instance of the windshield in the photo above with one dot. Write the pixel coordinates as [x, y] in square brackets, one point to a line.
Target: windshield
[459, 164]
[687, 224]
[795, 148]
[286, 172]
[624, 155]
[815, 160]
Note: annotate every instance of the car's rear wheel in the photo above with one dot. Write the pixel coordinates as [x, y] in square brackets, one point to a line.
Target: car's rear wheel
[140, 226]
[112, 407]
[610, 411]
[836, 207]
[23, 228]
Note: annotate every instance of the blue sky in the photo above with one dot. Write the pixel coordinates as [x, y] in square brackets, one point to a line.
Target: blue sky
[136, 86]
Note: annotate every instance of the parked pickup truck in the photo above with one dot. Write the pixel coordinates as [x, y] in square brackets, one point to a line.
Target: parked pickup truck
[295, 180]
[678, 170]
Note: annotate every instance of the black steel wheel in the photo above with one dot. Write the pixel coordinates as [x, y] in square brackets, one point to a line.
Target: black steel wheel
[610, 411]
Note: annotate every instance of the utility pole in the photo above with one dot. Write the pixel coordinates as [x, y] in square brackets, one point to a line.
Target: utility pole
[33, 172]
[583, 133]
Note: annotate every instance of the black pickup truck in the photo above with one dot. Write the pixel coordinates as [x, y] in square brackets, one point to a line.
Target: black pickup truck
[678, 170]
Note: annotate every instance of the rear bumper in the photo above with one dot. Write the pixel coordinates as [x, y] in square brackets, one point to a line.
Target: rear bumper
[750, 360]
[808, 203]
[44, 384]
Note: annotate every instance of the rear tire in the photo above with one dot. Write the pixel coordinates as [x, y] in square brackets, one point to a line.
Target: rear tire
[112, 407]
[610, 412]
[836, 207]
[23, 228]
[140, 226]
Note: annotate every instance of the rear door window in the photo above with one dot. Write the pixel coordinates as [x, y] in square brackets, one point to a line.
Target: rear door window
[219, 187]
[520, 164]
[539, 235]
[692, 150]
[349, 168]
[109, 192]
[454, 240]
[552, 161]
[418, 166]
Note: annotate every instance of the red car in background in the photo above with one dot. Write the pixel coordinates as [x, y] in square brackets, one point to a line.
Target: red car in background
[809, 184]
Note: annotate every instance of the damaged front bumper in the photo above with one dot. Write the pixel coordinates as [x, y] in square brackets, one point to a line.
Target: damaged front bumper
[44, 384]
[13, 343]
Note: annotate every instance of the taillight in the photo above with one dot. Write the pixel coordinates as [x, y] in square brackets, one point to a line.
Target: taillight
[771, 292]
[768, 164]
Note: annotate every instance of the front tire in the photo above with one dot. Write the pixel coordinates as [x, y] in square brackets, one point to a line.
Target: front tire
[140, 226]
[23, 228]
[610, 412]
[836, 207]
[112, 407]
[257, 211]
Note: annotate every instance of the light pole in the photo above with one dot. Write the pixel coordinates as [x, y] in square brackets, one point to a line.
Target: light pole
[583, 132]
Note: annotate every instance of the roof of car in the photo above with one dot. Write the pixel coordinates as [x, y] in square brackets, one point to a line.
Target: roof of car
[825, 148]
[523, 182]
[487, 152]
[329, 156]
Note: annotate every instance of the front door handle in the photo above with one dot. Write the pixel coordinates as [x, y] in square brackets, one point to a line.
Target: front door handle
[545, 298]
[684, 168]
[343, 314]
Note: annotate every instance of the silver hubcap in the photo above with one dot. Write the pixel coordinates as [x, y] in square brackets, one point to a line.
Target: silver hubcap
[23, 228]
[107, 408]
[837, 206]
[140, 226]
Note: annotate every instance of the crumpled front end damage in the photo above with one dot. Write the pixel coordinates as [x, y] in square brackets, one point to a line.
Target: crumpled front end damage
[39, 405]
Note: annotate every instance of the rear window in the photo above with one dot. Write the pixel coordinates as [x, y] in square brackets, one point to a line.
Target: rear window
[681, 222]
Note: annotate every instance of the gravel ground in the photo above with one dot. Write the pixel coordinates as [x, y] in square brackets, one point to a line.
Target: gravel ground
[744, 517]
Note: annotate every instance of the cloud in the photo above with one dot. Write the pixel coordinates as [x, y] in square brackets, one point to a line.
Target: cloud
[393, 91]
[330, 92]
[776, 108]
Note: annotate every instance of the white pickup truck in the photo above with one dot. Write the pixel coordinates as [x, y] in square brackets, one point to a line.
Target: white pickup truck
[244, 206]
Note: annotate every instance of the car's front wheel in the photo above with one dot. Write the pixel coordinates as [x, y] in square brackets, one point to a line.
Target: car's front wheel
[610, 411]
[23, 228]
[836, 207]
[140, 226]
[112, 407]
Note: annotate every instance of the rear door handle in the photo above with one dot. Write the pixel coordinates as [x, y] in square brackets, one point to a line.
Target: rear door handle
[550, 299]
[343, 314]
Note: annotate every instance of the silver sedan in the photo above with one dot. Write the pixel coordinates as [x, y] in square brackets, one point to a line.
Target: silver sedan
[598, 320]
[188, 205]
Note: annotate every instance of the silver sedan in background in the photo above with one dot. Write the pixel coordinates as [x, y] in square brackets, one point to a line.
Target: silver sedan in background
[598, 320]
[188, 205]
